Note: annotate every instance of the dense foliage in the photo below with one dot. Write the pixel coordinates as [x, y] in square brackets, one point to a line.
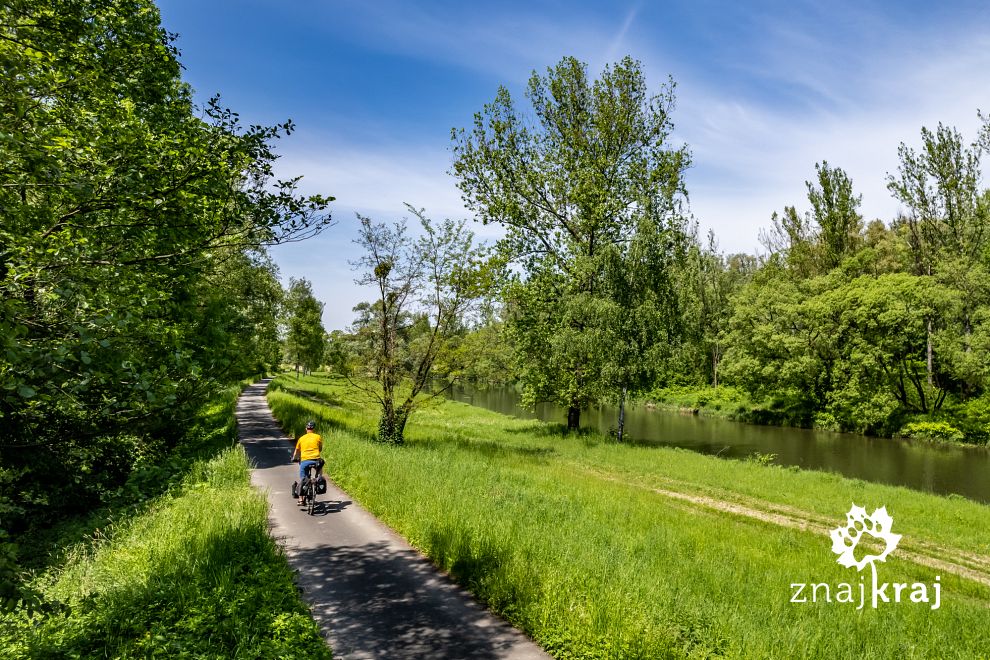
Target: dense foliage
[870, 328]
[305, 338]
[876, 327]
[189, 570]
[590, 194]
[134, 278]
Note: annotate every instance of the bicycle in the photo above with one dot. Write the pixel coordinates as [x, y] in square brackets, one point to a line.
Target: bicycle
[309, 486]
[312, 474]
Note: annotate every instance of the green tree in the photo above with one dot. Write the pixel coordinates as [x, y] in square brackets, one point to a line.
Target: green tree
[305, 338]
[813, 243]
[571, 189]
[339, 356]
[791, 241]
[939, 185]
[133, 235]
[238, 305]
[484, 355]
[776, 345]
[947, 219]
[642, 319]
[425, 287]
[878, 326]
[708, 284]
[852, 349]
[835, 211]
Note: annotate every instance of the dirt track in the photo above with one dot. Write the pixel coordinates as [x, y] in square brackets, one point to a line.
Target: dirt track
[949, 560]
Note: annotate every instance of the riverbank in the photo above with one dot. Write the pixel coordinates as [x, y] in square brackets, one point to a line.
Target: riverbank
[967, 424]
[941, 468]
[189, 571]
[723, 402]
[597, 549]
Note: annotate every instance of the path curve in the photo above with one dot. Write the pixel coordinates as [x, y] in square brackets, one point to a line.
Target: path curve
[372, 594]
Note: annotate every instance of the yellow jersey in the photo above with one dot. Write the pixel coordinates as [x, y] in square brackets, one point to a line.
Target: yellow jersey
[309, 447]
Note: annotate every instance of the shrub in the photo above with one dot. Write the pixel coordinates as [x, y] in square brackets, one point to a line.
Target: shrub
[938, 431]
[827, 422]
[972, 417]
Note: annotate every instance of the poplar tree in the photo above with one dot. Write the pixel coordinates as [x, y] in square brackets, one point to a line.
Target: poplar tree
[572, 183]
[306, 339]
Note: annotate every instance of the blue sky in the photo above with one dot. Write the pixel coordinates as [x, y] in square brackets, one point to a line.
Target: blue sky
[764, 91]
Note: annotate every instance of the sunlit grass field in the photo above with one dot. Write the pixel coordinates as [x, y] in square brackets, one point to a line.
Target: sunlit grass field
[190, 573]
[568, 538]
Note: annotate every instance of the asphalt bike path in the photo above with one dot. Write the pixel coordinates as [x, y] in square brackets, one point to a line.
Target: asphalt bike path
[371, 593]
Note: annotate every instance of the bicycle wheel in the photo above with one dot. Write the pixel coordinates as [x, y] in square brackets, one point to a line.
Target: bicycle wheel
[312, 496]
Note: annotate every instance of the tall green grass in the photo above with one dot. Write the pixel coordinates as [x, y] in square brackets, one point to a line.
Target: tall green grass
[564, 537]
[191, 573]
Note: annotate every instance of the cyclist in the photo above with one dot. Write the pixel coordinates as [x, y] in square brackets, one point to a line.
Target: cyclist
[308, 449]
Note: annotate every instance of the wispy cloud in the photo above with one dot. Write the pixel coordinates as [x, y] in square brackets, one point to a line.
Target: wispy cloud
[617, 47]
[372, 180]
[506, 45]
[754, 154]
[798, 87]
[379, 182]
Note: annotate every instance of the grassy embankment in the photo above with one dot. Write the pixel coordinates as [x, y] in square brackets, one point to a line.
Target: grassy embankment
[188, 573]
[572, 540]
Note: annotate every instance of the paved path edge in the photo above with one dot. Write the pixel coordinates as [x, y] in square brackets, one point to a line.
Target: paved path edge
[372, 594]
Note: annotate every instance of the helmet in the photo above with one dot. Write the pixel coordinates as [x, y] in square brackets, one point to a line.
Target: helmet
[310, 425]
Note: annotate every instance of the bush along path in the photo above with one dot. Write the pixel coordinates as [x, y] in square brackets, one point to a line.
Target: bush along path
[373, 595]
[178, 564]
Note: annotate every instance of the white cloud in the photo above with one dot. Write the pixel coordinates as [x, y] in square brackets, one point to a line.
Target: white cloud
[375, 181]
[753, 158]
[378, 182]
[848, 103]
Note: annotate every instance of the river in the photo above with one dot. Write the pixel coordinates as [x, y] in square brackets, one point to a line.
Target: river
[925, 466]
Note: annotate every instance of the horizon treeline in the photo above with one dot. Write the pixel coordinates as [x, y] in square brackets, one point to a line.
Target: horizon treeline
[605, 289]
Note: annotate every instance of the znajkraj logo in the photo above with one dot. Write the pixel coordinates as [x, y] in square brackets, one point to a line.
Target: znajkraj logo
[845, 543]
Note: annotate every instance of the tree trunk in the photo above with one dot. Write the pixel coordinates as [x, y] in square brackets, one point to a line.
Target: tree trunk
[622, 413]
[715, 367]
[392, 425]
[573, 418]
[399, 436]
[387, 424]
[930, 355]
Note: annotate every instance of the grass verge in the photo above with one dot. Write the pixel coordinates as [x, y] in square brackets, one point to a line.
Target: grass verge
[191, 573]
[572, 539]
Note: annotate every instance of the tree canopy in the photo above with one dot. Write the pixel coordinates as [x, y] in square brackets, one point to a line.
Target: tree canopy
[305, 339]
[134, 276]
[425, 288]
[577, 190]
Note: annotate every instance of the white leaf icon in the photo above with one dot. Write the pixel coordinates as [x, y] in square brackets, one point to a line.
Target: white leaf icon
[858, 523]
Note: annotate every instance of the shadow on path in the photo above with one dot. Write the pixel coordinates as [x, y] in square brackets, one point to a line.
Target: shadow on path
[373, 595]
[414, 615]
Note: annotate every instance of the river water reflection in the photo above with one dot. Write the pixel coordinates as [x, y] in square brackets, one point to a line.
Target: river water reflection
[915, 464]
